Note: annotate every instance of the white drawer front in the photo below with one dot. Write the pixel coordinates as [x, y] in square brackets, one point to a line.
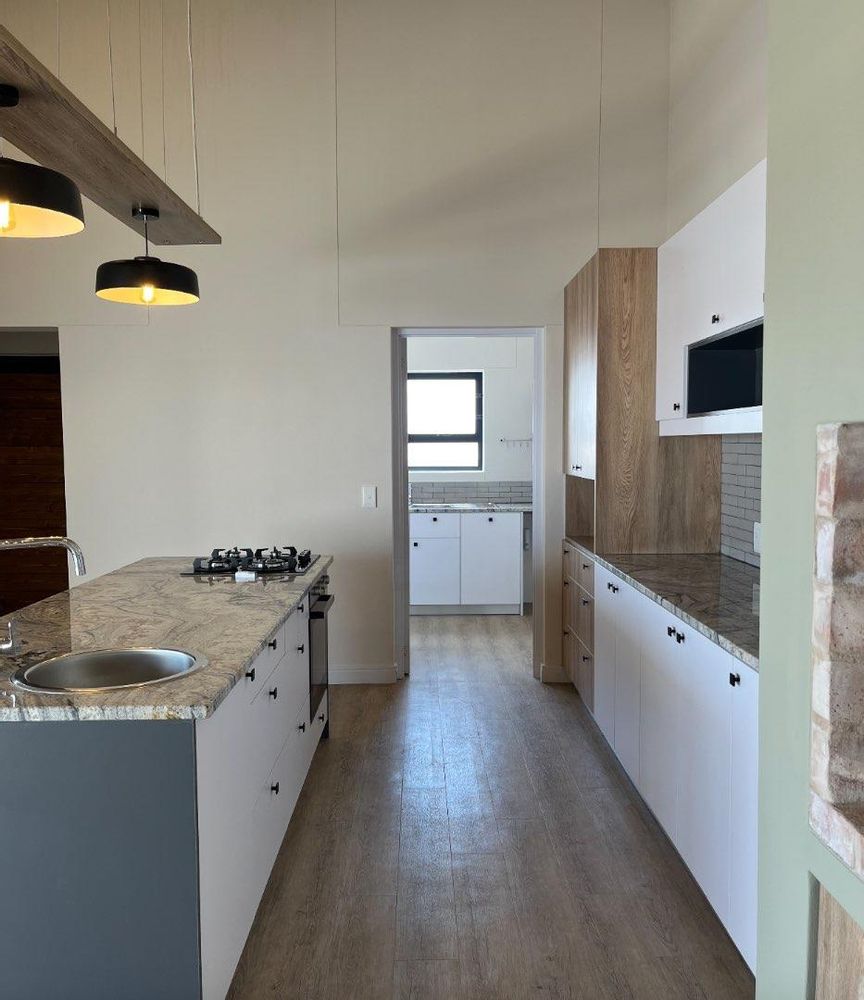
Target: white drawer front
[434, 525]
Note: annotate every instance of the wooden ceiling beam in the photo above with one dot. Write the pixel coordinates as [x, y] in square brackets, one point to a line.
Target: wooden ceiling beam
[51, 125]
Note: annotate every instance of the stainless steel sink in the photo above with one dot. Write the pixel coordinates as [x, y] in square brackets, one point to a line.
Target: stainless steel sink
[107, 670]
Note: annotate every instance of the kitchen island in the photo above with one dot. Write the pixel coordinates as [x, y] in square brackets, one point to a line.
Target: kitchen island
[144, 822]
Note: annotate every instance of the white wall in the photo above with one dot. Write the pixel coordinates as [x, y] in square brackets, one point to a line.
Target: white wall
[507, 364]
[466, 151]
[717, 100]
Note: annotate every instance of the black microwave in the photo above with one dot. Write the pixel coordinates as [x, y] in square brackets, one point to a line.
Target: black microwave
[725, 372]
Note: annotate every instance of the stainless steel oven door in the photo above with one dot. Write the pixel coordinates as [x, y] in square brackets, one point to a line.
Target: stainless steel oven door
[318, 673]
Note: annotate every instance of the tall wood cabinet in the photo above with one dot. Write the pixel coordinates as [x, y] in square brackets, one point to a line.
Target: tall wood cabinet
[628, 489]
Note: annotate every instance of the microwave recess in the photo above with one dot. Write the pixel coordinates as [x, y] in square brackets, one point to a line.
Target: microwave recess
[725, 372]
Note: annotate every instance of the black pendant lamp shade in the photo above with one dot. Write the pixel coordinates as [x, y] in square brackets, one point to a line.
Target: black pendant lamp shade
[35, 202]
[146, 280]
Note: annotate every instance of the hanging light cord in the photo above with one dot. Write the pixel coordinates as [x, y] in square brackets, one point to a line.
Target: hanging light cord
[146, 236]
[111, 67]
[192, 103]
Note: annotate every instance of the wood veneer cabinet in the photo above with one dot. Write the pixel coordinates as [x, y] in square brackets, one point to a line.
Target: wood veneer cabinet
[628, 489]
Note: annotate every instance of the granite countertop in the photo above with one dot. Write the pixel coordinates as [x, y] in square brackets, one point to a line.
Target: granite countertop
[150, 604]
[468, 508]
[716, 595]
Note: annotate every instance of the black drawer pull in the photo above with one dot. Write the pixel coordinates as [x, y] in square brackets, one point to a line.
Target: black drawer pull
[272, 643]
[715, 317]
[491, 519]
[670, 631]
[274, 788]
[302, 727]
[734, 679]
[566, 583]
[300, 609]
[274, 693]
[434, 518]
[301, 649]
[586, 565]
[251, 674]
[585, 659]
[585, 602]
[676, 406]
[416, 545]
[679, 637]
[321, 717]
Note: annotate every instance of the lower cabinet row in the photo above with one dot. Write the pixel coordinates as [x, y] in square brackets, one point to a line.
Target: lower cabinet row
[682, 717]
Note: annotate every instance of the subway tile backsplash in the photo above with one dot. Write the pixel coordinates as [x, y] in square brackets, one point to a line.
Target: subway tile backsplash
[741, 495]
[468, 492]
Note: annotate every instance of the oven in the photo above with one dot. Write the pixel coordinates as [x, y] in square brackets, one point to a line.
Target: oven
[320, 603]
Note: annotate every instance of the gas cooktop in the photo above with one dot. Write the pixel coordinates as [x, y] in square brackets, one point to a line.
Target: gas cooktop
[266, 562]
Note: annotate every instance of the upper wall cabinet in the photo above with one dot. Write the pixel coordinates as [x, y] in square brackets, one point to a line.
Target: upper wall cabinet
[580, 382]
[710, 279]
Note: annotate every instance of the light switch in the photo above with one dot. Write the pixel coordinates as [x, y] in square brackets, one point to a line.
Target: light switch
[369, 497]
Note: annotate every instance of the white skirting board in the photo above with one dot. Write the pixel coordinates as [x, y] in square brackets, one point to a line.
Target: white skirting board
[466, 609]
[362, 675]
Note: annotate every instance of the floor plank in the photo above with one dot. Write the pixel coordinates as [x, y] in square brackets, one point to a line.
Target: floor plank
[467, 834]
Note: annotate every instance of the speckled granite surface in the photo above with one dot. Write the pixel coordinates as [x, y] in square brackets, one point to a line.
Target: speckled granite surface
[468, 508]
[149, 604]
[716, 595]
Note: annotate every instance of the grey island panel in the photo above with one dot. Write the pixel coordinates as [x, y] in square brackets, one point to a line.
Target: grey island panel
[100, 881]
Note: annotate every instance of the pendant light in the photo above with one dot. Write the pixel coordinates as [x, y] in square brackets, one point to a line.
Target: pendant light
[147, 281]
[35, 202]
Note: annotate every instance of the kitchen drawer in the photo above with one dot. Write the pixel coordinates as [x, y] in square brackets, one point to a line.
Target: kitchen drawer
[584, 567]
[569, 597]
[583, 673]
[583, 611]
[434, 525]
[568, 561]
[270, 716]
[264, 663]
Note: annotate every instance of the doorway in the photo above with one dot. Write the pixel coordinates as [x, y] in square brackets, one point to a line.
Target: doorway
[32, 486]
[468, 496]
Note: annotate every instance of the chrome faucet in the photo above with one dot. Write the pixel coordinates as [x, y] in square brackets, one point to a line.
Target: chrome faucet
[9, 644]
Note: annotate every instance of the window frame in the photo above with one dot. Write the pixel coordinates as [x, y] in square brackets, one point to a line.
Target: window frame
[475, 438]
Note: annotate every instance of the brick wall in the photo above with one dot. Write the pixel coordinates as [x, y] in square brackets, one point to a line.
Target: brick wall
[741, 495]
[467, 492]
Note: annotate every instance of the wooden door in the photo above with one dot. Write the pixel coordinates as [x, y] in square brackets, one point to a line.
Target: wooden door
[32, 485]
[745, 795]
[491, 558]
[580, 372]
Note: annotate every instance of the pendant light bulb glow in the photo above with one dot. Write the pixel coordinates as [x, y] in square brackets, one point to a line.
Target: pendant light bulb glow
[146, 280]
[7, 216]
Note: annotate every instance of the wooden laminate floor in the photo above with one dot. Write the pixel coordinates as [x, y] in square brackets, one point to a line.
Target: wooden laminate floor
[468, 835]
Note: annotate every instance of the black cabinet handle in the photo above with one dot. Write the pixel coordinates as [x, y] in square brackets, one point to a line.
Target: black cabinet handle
[251, 674]
[586, 565]
[611, 586]
[274, 693]
[577, 468]
[274, 788]
[585, 602]
[434, 518]
[734, 679]
[676, 406]
[585, 659]
[321, 717]
[715, 317]
[670, 631]
[416, 545]
[491, 519]
[300, 609]
[301, 649]
[272, 643]
[679, 637]
[302, 727]
[566, 583]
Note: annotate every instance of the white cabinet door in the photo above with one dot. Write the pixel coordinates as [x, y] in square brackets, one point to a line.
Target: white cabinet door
[434, 571]
[704, 771]
[628, 666]
[745, 785]
[605, 626]
[744, 239]
[491, 558]
[659, 722]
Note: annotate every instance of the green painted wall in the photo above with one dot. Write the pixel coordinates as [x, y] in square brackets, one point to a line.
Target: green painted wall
[814, 372]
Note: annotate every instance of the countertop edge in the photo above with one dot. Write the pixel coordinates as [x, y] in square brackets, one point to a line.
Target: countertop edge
[726, 644]
[166, 712]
